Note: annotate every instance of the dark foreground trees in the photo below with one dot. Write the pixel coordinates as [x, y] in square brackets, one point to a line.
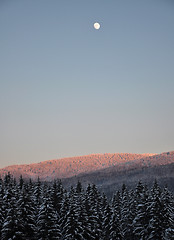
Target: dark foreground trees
[46, 211]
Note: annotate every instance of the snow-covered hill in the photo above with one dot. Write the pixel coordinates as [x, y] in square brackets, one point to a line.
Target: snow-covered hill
[69, 167]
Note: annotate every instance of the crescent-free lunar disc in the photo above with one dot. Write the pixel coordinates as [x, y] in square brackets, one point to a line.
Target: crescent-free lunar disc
[96, 25]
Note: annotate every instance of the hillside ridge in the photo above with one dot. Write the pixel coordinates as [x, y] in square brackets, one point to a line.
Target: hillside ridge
[72, 166]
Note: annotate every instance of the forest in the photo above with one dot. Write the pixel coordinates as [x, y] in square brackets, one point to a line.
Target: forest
[35, 210]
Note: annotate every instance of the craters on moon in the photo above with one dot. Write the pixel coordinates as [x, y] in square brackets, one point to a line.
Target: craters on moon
[97, 26]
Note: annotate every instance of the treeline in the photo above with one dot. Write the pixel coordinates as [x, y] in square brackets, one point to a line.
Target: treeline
[46, 211]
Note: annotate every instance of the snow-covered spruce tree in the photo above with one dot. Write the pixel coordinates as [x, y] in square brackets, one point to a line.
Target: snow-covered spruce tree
[80, 229]
[9, 228]
[114, 231]
[30, 191]
[156, 190]
[79, 188]
[126, 216]
[169, 234]
[104, 202]
[124, 188]
[95, 213]
[60, 196]
[7, 198]
[91, 220]
[101, 205]
[1, 205]
[155, 229]
[139, 193]
[8, 179]
[1, 219]
[106, 222]
[37, 193]
[57, 195]
[116, 205]
[159, 212]
[47, 222]
[115, 222]
[72, 228]
[63, 212]
[132, 212]
[79, 201]
[37, 196]
[167, 201]
[25, 210]
[21, 182]
[84, 223]
[53, 196]
[141, 219]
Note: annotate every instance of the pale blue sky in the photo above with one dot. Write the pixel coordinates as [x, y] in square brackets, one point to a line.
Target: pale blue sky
[67, 89]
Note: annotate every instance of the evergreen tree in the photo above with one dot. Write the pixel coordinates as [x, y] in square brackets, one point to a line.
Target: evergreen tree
[116, 205]
[7, 199]
[155, 225]
[37, 196]
[21, 182]
[126, 217]
[57, 195]
[84, 223]
[47, 226]
[106, 222]
[169, 234]
[141, 219]
[9, 228]
[37, 192]
[95, 213]
[168, 212]
[79, 188]
[25, 214]
[8, 179]
[156, 190]
[1, 205]
[114, 231]
[63, 212]
[72, 229]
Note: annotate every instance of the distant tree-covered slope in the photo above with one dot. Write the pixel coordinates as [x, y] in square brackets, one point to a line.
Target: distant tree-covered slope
[112, 178]
[69, 167]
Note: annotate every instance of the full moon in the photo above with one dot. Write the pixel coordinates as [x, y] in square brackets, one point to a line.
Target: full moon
[96, 25]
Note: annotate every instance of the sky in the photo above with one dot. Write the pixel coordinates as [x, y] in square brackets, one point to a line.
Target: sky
[67, 89]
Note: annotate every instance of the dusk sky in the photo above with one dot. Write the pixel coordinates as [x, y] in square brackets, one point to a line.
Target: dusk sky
[67, 89]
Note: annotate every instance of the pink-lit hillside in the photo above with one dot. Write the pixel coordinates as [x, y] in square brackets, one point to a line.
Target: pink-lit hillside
[68, 167]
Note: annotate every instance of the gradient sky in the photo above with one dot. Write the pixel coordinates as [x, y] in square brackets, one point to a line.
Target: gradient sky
[67, 89]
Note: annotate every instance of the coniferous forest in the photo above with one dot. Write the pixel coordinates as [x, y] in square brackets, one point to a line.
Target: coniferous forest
[46, 211]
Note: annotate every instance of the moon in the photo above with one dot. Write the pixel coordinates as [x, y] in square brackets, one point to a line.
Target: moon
[96, 25]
